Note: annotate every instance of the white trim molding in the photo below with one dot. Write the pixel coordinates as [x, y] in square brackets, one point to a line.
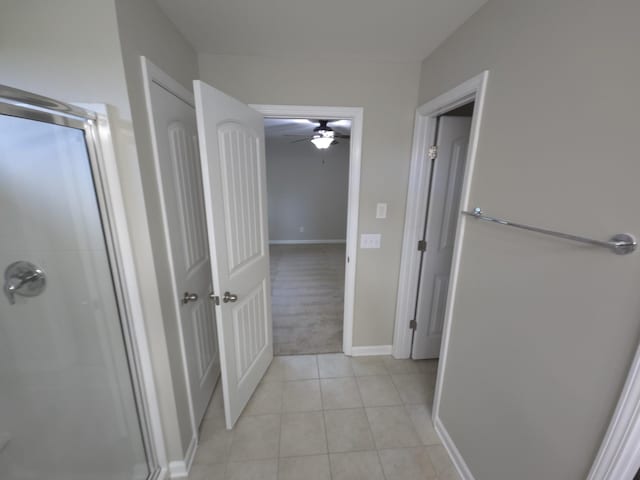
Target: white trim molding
[418, 193]
[370, 350]
[305, 242]
[463, 470]
[619, 455]
[108, 179]
[355, 114]
[181, 468]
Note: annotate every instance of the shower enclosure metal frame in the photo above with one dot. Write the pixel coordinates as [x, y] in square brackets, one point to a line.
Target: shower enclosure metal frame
[97, 132]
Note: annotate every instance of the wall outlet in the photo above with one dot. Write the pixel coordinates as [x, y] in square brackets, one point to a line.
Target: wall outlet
[381, 210]
[370, 240]
[301, 229]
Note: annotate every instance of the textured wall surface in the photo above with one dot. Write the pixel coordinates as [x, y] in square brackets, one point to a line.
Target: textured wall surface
[307, 188]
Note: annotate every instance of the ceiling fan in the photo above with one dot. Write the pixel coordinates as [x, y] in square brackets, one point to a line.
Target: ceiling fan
[323, 136]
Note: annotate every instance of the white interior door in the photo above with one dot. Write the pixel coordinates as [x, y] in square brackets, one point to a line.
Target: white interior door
[442, 215]
[233, 165]
[176, 139]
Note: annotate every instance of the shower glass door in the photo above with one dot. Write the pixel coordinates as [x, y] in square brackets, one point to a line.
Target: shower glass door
[67, 404]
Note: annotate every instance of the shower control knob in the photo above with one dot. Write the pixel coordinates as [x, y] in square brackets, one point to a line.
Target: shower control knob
[24, 279]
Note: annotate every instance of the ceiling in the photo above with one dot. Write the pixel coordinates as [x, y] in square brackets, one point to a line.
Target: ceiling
[280, 128]
[373, 30]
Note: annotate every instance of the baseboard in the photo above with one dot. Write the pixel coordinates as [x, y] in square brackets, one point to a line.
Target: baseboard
[181, 468]
[162, 474]
[303, 242]
[456, 458]
[371, 350]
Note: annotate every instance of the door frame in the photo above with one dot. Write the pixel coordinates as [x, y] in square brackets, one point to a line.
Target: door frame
[111, 201]
[431, 228]
[153, 74]
[473, 90]
[619, 453]
[355, 114]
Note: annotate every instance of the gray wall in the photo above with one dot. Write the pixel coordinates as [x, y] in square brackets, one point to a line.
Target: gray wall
[305, 192]
[388, 94]
[544, 331]
[145, 30]
[83, 62]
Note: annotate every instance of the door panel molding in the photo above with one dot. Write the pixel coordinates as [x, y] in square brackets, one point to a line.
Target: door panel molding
[245, 241]
[190, 198]
[247, 330]
[447, 229]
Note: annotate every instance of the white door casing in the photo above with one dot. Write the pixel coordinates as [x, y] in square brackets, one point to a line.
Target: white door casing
[356, 115]
[174, 132]
[231, 138]
[442, 216]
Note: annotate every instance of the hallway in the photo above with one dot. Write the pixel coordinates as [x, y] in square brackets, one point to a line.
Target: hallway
[329, 417]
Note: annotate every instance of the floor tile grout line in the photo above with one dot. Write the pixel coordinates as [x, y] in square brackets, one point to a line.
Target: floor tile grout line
[380, 462]
[405, 408]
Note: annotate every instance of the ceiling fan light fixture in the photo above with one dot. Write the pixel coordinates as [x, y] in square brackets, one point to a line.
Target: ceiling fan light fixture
[323, 138]
[322, 142]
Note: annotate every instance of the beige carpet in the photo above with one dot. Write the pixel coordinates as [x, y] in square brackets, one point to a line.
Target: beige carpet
[307, 286]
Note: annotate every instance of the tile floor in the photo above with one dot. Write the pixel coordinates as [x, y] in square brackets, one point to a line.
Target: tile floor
[329, 417]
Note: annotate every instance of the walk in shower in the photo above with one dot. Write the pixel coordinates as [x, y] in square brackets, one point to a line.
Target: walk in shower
[69, 407]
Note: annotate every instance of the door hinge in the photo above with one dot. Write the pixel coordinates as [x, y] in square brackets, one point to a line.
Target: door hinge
[433, 152]
[422, 245]
[413, 325]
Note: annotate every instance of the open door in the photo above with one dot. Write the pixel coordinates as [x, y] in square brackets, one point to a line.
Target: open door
[442, 215]
[231, 138]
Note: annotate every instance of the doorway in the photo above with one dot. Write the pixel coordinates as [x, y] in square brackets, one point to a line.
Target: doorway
[345, 121]
[307, 190]
[447, 157]
[446, 114]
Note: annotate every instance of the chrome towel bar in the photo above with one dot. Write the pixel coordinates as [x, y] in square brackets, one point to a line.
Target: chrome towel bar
[621, 243]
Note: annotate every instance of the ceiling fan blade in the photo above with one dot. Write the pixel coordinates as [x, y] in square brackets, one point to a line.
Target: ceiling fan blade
[307, 139]
[341, 135]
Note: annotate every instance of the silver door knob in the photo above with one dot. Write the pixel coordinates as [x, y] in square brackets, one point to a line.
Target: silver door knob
[189, 297]
[229, 297]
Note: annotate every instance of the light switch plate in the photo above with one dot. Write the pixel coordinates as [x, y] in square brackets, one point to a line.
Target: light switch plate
[370, 240]
[381, 210]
